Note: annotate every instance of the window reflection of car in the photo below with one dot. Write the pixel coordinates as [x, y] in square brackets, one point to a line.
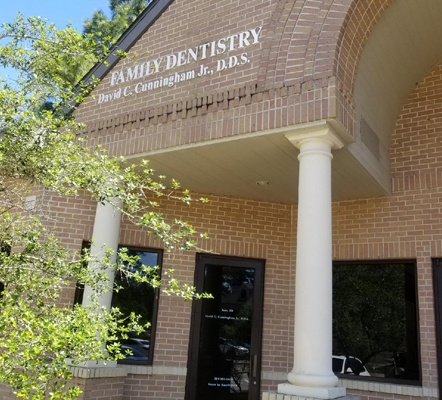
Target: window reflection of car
[349, 365]
[144, 343]
[135, 351]
[133, 354]
[232, 349]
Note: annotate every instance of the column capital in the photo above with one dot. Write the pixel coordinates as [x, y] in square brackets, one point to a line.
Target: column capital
[326, 131]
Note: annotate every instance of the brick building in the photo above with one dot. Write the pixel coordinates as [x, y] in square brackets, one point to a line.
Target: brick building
[314, 128]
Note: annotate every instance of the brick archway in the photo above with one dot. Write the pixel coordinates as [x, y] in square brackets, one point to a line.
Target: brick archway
[359, 22]
[310, 41]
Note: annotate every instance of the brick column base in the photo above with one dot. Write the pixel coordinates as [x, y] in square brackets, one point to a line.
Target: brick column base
[96, 383]
[100, 383]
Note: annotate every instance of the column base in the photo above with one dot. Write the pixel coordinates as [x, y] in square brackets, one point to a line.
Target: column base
[279, 396]
[308, 392]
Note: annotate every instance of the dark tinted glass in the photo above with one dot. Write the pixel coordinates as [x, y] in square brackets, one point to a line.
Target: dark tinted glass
[375, 318]
[138, 297]
[226, 333]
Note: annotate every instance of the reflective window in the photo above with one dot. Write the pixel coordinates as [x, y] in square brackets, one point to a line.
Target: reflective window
[140, 298]
[375, 331]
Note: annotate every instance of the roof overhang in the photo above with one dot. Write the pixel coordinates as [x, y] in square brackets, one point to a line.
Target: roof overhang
[261, 166]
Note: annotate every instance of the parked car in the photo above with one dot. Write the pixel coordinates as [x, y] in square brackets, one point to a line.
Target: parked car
[232, 349]
[349, 365]
[144, 343]
[135, 354]
[139, 349]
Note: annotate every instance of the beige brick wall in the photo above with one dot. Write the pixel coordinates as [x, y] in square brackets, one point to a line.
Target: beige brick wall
[304, 41]
[101, 388]
[303, 70]
[6, 392]
[167, 387]
[306, 62]
[289, 80]
[186, 25]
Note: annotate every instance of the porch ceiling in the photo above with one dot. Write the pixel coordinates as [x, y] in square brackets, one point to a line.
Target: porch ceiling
[403, 47]
[233, 168]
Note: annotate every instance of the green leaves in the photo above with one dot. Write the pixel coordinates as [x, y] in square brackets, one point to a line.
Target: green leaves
[123, 13]
[41, 148]
[37, 333]
[172, 286]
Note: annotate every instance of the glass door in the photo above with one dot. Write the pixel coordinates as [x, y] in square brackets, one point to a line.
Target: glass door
[225, 350]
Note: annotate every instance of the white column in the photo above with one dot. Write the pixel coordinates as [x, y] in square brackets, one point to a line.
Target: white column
[312, 374]
[105, 236]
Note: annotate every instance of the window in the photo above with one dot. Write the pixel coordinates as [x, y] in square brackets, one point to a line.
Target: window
[140, 298]
[5, 250]
[375, 333]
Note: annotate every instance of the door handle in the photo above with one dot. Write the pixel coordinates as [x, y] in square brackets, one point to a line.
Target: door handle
[254, 366]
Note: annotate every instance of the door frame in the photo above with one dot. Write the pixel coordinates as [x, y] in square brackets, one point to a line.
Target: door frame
[437, 298]
[195, 326]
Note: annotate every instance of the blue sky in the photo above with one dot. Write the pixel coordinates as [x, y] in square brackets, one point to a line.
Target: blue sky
[57, 11]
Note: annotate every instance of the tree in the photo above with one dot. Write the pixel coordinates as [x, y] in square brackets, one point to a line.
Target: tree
[104, 30]
[44, 148]
[374, 317]
[123, 13]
